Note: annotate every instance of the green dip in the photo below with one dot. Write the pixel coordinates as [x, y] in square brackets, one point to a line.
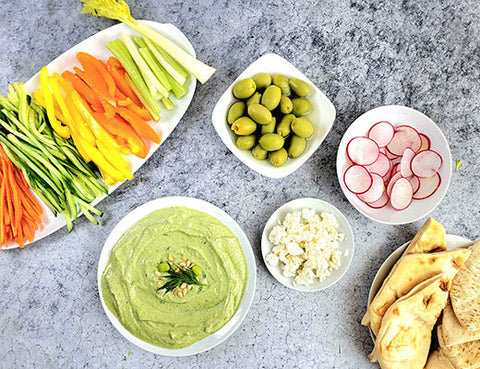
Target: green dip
[129, 284]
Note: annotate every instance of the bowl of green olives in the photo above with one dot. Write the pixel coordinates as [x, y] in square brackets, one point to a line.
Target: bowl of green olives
[272, 117]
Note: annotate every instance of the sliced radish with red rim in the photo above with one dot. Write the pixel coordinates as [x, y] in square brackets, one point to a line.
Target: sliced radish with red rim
[425, 142]
[415, 182]
[405, 162]
[392, 181]
[405, 136]
[427, 187]
[362, 150]
[381, 166]
[376, 190]
[402, 194]
[380, 203]
[357, 179]
[382, 133]
[426, 163]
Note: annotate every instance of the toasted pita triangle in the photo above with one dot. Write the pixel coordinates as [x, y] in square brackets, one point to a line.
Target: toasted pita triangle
[465, 294]
[409, 271]
[430, 238]
[437, 360]
[404, 338]
[463, 356]
[452, 332]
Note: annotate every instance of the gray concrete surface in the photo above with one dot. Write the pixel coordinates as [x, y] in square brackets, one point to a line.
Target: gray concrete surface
[362, 54]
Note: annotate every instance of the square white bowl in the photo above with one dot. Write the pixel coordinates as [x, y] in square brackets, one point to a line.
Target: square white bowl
[322, 116]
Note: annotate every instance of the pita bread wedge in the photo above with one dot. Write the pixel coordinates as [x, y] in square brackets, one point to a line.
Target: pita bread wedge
[405, 334]
[409, 271]
[466, 291]
[452, 332]
[430, 238]
[437, 360]
[463, 356]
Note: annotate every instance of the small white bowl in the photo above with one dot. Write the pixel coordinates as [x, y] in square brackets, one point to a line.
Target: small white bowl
[192, 203]
[453, 242]
[322, 117]
[397, 115]
[346, 246]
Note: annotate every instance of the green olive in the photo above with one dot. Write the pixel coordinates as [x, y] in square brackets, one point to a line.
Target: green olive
[297, 146]
[197, 270]
[281, 81]
[283, 127]
[236, 111]
[300, 87]
[262, 80]
[163, 267]
[271, 142]
[286, 105]
[301, 106]
[244, 89]
[259, 153]
[271, 97]
[302, 127]
[268, 128]
[255, 99]
[259, 114]
[244, 126]
[279, 157]
[246, 142]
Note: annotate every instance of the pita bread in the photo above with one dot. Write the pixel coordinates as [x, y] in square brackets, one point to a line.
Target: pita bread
[430, 238]
[437, 360]
[409, 271]
[405, 334]
[452, 332]
[466, 291]
[464, 356]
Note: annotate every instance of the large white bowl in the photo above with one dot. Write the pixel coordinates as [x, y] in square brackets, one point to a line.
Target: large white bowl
[397, 115]
[322, 117]
[95, 45]
[346, 246]
[453, 242]
[192, 203]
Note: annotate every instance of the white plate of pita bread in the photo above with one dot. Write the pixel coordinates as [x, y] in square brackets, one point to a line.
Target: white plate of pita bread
[433, 276]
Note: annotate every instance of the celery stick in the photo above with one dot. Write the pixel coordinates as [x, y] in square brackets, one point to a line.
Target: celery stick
[155, 68]
[177, 74]
[178, 90]
[168, 103]
[136, 80]
[156, 89]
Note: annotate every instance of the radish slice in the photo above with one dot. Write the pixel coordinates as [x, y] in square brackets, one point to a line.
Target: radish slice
[426, 163]
[425, 142]
[427, 187]
[380, 203]
[362, 151]
[392, 181]
[390, 155]
[381, 166]
[415, 182]
[405, 162]
[405, 136]
[376, 190]
[382, 133]
[402, 194]
[357, 179]
[396, 160]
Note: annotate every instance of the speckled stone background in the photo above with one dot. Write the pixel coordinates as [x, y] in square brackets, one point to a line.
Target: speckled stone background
[362, 54]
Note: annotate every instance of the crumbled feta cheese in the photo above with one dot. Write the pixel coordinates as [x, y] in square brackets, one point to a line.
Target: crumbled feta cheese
[306, 246]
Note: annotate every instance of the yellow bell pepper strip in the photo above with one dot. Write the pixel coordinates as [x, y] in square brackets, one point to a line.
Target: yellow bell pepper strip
[57, 94]
[62, 131]
[114, 158]
[82, 128]
[63, 83]
[103, 164]
[38, 96]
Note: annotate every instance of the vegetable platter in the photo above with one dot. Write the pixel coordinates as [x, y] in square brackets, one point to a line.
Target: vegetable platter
[96, 46]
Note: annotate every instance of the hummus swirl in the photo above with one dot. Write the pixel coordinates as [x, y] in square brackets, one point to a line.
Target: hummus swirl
[129, 284]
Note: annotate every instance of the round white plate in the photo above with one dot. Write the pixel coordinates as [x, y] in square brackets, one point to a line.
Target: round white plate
[192, 203]
[347, 245]
[322, 117]
[397, 115]
[95, 45]
[453, 242]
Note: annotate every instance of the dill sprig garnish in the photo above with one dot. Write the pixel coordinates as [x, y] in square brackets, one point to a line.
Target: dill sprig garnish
[176, 276]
